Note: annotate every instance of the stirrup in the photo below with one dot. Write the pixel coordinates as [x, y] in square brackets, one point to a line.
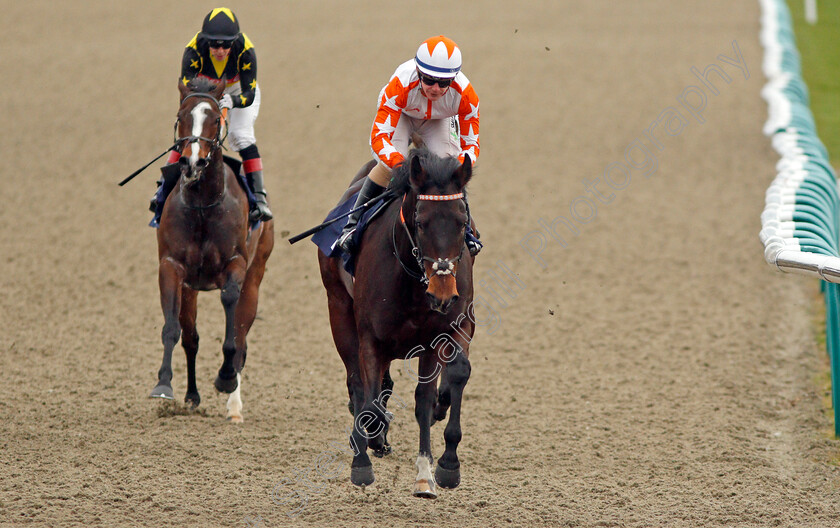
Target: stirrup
[258, 215]
[345, 241]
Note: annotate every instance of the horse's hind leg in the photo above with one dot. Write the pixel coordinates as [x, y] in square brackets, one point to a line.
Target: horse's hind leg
[448, 471]
[189, 340]
[380, 445]
[343, 327]
[246, 312]
[246, 308]
[443, 399]
[369, 422]
[170, 279]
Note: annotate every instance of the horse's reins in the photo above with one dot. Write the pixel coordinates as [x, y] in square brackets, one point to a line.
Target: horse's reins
[216, 143]
[441, 266]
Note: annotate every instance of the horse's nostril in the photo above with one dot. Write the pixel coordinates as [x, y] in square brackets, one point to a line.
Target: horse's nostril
[434, 301]
[201, 163]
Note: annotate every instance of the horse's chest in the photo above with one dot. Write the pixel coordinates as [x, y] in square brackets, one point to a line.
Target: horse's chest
[409, 332]
[205, 266]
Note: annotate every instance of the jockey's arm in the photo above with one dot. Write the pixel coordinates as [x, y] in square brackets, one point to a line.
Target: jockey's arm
[387, 116]
[468, 117]
[247, 65]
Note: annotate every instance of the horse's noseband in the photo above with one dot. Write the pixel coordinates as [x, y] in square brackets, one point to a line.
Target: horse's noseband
[444, 266]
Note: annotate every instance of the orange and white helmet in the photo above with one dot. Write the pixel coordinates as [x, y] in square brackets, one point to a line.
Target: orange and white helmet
[438, 57]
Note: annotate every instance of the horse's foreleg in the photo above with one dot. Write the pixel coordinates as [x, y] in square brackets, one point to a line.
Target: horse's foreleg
[448, 472]
[170, 279]
[424, 400]
[189, 340]
[226, 380]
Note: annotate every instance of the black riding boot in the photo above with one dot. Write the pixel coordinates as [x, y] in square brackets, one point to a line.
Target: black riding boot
[370, 189]
[169, 175]
[153, 201]
[471, 237]
[261, 212]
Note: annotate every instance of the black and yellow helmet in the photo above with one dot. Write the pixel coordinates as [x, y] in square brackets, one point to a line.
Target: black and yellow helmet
[220, 24]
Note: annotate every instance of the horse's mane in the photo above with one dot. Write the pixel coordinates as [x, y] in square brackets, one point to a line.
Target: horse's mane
[439, 171]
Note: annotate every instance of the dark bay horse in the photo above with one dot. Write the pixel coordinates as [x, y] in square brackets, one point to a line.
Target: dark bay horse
[411, 299]
[204, 244]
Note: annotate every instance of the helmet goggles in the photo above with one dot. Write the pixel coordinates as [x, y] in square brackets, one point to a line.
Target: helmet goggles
[220, 43]
[428, 80]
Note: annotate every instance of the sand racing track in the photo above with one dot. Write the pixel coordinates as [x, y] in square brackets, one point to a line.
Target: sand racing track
[645, 368]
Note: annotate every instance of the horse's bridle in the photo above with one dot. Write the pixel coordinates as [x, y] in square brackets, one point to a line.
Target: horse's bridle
[441, 266]
[215, 143]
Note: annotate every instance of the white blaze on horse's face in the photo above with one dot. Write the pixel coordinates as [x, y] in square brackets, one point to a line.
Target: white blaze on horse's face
[199, 114]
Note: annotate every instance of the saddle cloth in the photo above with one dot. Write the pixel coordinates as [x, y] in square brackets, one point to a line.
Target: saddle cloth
[326, 238]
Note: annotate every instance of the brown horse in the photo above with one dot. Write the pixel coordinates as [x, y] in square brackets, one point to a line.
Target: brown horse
[204, 244]
[411, 298]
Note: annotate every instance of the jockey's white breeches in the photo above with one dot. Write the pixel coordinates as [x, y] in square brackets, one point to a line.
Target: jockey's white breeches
[241, 120]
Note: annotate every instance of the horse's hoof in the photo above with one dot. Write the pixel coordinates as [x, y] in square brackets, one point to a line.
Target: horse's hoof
[226, 385]
[237, 419]
[384, 451]
[447, 478]
[163, 392]
[361, 476]
[425, 489]
[192, 399]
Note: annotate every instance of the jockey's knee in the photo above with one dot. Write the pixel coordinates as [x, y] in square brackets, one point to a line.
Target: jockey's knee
[240, 141]
[380, 175]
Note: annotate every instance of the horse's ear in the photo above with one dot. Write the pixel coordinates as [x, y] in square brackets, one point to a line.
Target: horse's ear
[220, 88]
[182, 89]
[416, 174]
[464, 172]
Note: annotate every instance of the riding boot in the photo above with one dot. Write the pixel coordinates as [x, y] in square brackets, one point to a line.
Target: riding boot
[169, 176]
[252, 163]
[174, 156]
[370, 189]
[471, 235]
[153, 202]
[261, 212]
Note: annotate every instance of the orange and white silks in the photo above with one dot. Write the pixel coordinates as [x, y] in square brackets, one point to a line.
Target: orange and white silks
[403, 96]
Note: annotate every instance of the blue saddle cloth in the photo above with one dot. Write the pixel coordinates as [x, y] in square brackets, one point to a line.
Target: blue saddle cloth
[326, 238]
